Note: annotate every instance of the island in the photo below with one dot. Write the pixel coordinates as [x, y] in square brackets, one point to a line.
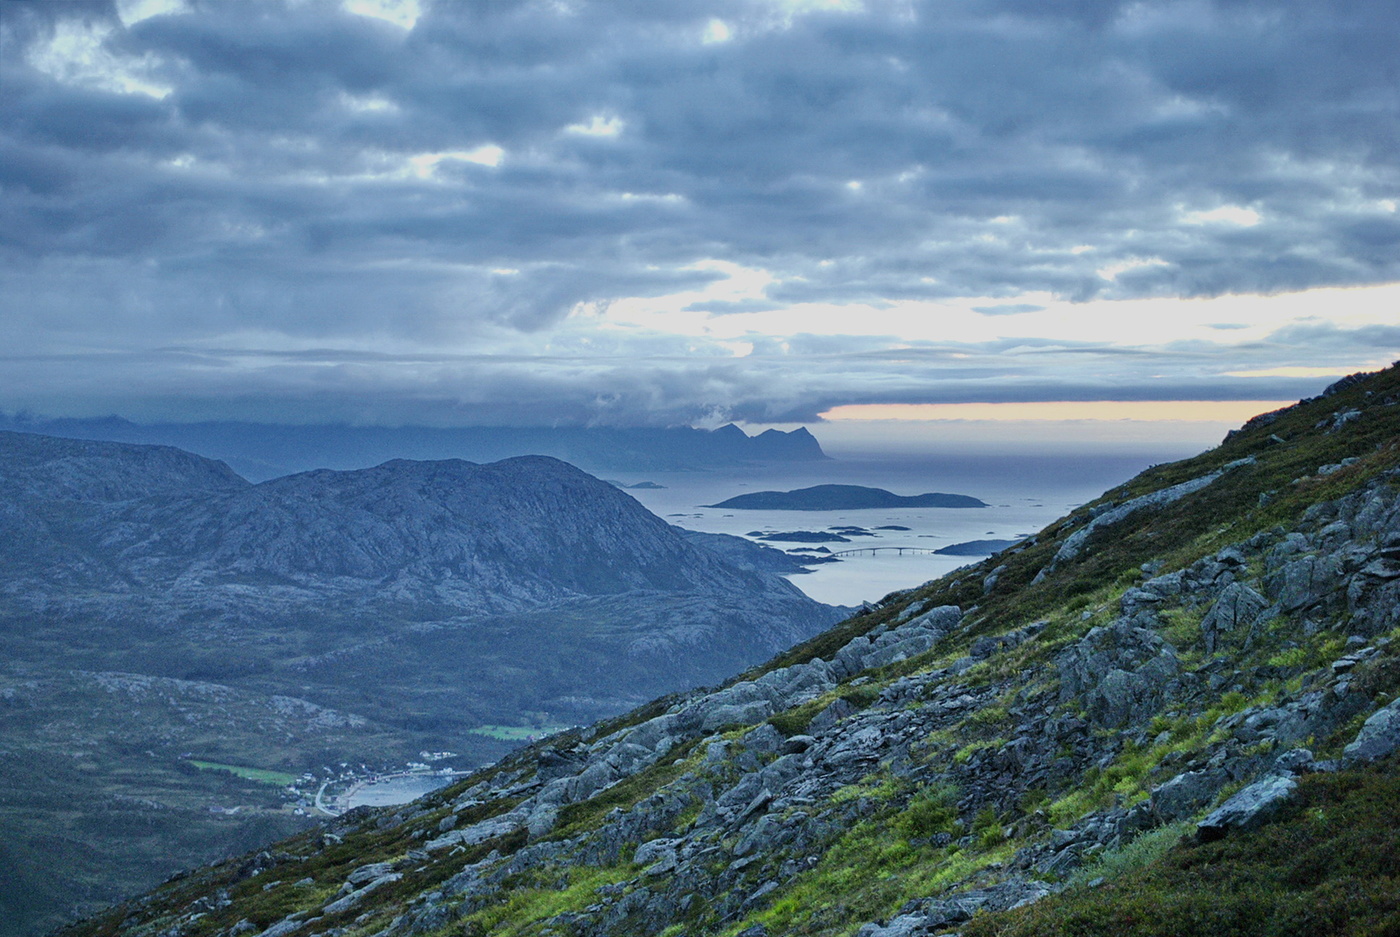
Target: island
[639, 485]
[804, 536]
[976, 547]
[843, 498]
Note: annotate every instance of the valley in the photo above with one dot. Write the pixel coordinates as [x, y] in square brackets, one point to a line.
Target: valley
[199, 658]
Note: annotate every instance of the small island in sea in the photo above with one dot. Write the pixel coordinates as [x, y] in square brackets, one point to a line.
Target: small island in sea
[843, 498]
[976, 547]
[804, 536]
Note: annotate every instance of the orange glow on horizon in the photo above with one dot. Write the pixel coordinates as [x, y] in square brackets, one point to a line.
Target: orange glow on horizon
[1193, 411]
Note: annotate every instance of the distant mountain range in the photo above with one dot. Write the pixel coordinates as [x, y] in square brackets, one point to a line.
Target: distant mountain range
[843, 498]
[261, 451]
[401, 606]
[324, 561]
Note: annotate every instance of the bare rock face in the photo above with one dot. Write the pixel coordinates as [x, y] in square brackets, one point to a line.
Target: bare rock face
[1249, 809]
[526, 580]
[168, 533]
[1379, 735]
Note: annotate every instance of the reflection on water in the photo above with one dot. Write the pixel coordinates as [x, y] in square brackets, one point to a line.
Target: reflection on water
[391, 792]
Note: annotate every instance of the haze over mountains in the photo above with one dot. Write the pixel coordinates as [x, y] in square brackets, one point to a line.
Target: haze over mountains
[401, 606]
[260, 451]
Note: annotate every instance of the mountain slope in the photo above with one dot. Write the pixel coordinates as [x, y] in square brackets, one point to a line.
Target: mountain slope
[417, 606]
[1195, 672]
[336, 558]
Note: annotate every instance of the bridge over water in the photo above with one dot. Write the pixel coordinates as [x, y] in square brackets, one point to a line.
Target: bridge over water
[902, 551]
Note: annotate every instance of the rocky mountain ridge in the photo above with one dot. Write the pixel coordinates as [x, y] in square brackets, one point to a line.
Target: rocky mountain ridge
[1196, 674]
[263, 451]
[438, 606]
[158, 539]
[484, 538]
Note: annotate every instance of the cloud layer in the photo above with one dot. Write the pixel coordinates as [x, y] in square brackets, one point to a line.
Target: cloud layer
[215, 208]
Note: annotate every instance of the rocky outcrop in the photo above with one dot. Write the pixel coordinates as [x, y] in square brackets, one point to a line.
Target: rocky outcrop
[1250, 809]
[1379, 735]
[1073, 545]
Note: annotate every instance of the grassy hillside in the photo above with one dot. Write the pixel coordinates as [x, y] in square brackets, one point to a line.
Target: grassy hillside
[1029, 745]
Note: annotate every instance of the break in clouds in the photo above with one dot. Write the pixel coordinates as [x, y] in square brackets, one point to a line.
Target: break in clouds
[430, 211]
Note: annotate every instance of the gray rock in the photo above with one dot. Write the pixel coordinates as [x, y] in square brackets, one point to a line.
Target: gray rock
[542, 820]
[1119, 673]
[797, 744]
[368, 873]
[1294, 761]
[598, 775]
[658, 855]
[1186, 793]
[912, 609]
[1238, 606]
[288, 924]
[1302, 583]
[1249, 809]
[478, 832]
[935, 916]
[830, 716]
[355, 897]
[737, 714]
[1379, 735]
[1074, 543]
[1278, 724]
[765, 740]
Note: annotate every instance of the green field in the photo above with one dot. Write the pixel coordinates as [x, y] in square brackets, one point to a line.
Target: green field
[280, 778]
[517, 733]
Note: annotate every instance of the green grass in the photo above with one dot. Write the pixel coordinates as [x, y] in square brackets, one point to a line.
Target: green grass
[279, 778]
[527, 906]
[866, 875]
[1133, 856]
[1330, 866]
[517, 733]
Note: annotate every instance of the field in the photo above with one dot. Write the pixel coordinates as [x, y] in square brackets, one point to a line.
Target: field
[279, 778]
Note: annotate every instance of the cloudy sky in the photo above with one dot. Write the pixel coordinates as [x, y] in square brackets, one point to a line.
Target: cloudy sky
[459, 212]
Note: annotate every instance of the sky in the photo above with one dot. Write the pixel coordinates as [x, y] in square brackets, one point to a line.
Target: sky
[855, 215]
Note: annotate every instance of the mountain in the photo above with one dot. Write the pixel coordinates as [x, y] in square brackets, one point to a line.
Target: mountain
[1172, 712]
[184, 543]
[262, 451]
[328, 617]
[843, 498]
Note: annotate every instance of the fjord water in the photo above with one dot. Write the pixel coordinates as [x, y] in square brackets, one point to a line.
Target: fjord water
[1024, 492]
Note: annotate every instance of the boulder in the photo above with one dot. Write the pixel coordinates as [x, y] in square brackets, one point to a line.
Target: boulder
[1379, 735]
[655, 851]
[542, 820]
[355, 897]
[1184, 794]
[1249, 809]
[1238, 606]
[368, 873]
[736, 714]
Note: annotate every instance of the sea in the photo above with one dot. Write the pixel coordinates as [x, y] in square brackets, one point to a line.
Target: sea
[1024, 493]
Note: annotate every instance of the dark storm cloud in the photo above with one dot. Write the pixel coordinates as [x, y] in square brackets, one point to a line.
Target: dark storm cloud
[294, 171]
